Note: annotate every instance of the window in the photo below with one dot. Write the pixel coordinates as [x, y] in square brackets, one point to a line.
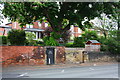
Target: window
[15, 24]
[38, 35]
[46, 24]
[79, 30]
[29, 26]
[39, 24]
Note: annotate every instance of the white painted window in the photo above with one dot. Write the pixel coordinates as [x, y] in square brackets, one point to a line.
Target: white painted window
[37, 35]
[29, 26]
[79, 30]
[39, 24]
[46, 24]
[15, 24]
[72, 28]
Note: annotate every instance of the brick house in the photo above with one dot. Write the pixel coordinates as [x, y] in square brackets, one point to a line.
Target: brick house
[37, 28]
[4, 30]
[75, 31]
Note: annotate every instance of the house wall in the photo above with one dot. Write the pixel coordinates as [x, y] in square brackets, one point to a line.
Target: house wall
[2, 30]
[29, 55]
[15, 25]
[76, 32]
[35, 25]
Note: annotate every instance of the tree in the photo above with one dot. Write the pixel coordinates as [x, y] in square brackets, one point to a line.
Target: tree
[60, 15]
[114, 42]
[104, 24]
[78, 42]
[17, 37]
[89, 35]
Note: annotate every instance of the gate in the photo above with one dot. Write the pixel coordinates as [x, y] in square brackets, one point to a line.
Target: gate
[50, 55]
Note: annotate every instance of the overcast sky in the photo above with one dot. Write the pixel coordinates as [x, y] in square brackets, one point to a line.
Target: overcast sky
[5, 21]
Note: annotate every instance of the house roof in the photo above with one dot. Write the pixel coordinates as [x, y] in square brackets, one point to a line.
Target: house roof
[93, 41]
[33, 29]
[5, 26]
[8, 23]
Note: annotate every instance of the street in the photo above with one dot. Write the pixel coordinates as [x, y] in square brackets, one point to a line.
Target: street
[101, 71]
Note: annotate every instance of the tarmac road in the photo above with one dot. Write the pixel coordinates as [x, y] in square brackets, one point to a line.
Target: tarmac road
[96, 71]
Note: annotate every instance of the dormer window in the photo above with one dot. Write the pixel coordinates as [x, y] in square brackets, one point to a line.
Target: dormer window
[29, 25]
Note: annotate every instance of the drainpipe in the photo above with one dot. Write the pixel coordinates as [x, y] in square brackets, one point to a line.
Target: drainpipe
[4, 32]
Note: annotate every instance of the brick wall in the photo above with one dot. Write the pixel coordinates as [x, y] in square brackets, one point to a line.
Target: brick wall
[29, 55]
[35, 25]
[60, 55]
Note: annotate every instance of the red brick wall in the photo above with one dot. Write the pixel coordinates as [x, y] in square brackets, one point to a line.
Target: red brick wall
[10, 51]
[29, 55]
[60, 55]
[35, 25]
[76, 34]
[3, 30]
[15, 25]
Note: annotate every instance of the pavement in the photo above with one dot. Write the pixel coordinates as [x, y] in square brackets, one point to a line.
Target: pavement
[32, 67]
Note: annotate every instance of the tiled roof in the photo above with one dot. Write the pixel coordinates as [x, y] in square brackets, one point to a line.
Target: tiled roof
[94, 41]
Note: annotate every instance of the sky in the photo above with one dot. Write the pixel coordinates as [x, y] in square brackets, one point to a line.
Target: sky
[5, 21]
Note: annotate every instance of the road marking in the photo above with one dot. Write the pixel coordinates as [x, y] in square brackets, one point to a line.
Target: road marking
[63, 71]
[22, 75]
[91, 69]
[94, 64]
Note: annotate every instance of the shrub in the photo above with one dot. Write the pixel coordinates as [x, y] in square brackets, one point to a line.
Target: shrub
[30, 39]
[17, 37]
[50, 41]
[114, 46]
[70, 44]
[78, 42]
[104, 43]
[90, 35]
[3, 40]
[111, 43]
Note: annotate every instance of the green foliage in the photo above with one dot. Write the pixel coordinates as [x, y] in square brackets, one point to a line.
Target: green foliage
[70, 44]
[90, 35]
[59, 18]
[17, 37]
[30, 38]
[112, 43]
[3, 40]
[50, 41]
[55, 35]
[78, 42]
[104, 43]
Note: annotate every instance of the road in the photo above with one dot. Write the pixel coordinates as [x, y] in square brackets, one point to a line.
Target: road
[101, 71]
